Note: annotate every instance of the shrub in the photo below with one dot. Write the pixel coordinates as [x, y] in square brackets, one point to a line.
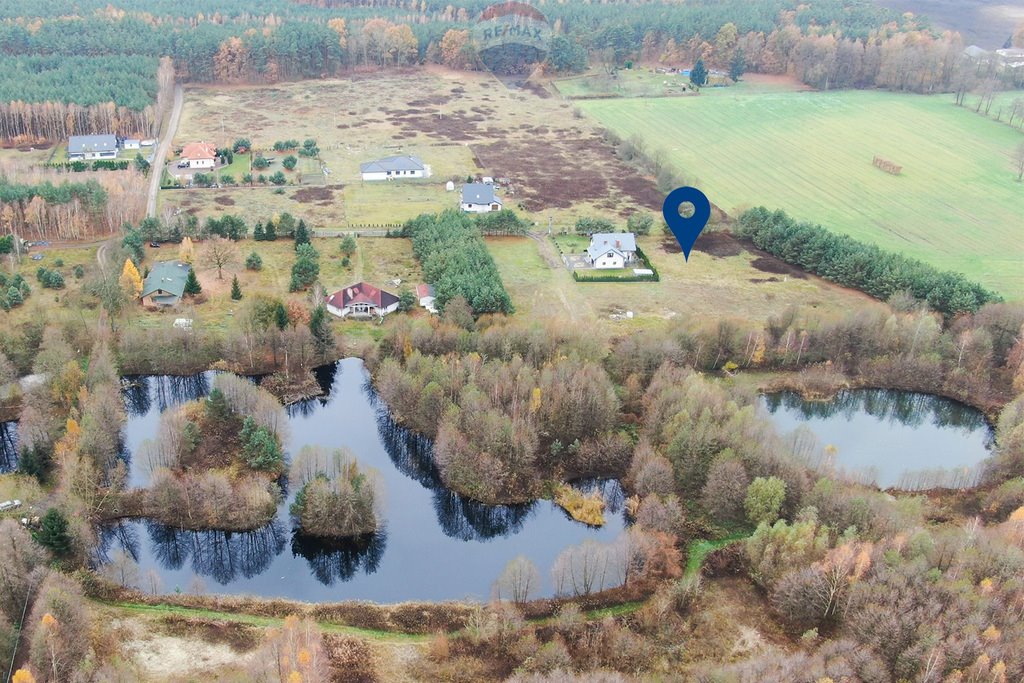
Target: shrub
[289, 162]
[254, 262]
[588, 226]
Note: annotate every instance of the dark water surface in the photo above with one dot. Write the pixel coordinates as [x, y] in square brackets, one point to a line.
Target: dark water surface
[8, 446]
[435, 545]
[890, 436]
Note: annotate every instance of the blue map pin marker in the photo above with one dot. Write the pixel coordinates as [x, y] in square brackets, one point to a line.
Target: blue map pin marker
[686, 230]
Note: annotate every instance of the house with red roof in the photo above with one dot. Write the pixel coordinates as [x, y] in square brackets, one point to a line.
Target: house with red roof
[361, 300]
[199, 155]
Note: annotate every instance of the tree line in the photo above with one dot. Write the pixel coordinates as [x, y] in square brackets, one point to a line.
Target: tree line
[860, 265]
[455, 260]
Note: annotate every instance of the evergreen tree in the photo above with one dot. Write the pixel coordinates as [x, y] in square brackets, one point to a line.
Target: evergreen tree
[280, 316]
[270, 232]
[301, 234]
[406, 300]
[348, 245]
[53, 533]
[192, 286]
[254, 262]
[699, 74]
[258, 233]
[320, 328]
[236, 289]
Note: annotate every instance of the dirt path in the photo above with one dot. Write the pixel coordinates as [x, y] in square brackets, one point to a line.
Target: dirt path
[554, 262]
[157, 165]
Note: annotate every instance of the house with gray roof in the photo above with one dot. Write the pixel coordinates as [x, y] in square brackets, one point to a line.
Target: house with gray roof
[479, 198]
[165, 284]
[391, 168]
[89, 147]
[611, 249]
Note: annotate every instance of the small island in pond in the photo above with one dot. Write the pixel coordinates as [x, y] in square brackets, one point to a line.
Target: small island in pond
[336, 498]
[215, 462]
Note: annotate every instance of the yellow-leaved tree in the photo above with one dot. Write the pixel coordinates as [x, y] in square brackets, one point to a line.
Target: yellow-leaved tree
[23, 676]
[131, 281]
[185, 252]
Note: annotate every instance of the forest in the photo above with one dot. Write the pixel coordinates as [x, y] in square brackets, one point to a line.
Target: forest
[111, 60]
[43, 204]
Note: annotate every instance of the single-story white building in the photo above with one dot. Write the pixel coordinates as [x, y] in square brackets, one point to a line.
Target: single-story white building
[425, 294]
[199, 155]
[479, 198]
[89, 147]
[611, 249]
[392, 168]
[361, 301]
[131, 143]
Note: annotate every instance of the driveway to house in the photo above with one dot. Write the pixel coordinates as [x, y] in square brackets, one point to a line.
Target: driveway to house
[157, 165]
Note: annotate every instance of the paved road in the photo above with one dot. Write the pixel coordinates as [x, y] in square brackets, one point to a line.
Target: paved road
[160, 158]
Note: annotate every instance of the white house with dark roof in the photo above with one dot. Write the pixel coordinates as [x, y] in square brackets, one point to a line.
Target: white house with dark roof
[89, 147]
[392, 168]
[479, 198]
[611, 249]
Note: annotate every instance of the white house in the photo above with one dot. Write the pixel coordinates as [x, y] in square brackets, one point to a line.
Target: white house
[132, 143]
[425, 294]
[361, 301]
[611, 249]
[392, 168]
[88, 147]
[199, 155]
[479, 198]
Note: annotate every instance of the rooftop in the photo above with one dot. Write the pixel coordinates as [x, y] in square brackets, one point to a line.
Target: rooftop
[601, 242]
[478, 193]
[392, 164]
[79, 144]
[361, 293]
[199, 150]
[166, 277]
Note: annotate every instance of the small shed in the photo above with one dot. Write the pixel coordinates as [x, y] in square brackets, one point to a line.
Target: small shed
[449, 186]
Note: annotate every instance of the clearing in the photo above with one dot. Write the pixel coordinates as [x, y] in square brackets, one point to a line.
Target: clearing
[956, 204]
[721, 280]
[459, 123]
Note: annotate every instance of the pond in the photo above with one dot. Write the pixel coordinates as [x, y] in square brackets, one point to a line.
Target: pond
[891, 438]
[436, 545]
[8, 446]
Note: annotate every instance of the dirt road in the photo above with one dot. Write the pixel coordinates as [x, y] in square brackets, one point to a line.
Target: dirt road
[156, 166]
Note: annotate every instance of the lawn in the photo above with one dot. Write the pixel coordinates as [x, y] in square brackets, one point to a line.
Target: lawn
[956, 204]
[706, 287]
[378, 261]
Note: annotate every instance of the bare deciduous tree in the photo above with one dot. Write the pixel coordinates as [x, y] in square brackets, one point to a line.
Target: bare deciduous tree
[519, 581]
[219, 253]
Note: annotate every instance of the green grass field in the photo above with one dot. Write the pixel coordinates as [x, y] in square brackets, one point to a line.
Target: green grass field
[956, 205]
